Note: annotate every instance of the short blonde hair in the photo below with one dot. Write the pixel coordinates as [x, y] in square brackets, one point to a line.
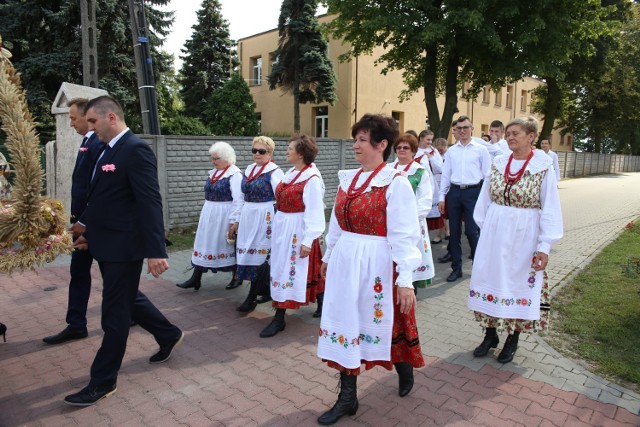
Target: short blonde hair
[224, 150]
[271, 146]
[528, 124]
[440, 142]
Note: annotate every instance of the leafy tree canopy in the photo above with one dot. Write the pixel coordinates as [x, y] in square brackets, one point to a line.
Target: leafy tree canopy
[231, 110]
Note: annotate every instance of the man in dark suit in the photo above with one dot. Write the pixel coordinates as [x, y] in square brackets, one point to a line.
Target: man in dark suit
[80, 268]
[122, 225]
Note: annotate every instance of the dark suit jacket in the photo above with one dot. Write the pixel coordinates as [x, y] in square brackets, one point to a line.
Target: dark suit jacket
[81, 176]
[123, 216]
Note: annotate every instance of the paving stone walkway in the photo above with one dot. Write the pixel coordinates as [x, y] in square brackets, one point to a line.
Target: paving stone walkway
[225, 375]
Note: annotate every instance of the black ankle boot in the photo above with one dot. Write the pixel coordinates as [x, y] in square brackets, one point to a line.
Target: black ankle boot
[3, 331]
[509, 349]
[276, 325]
[347, 403]
[405, 378]
[234, 283]
[320, 300]
[250, 302]
[194, 280]
[490, 341]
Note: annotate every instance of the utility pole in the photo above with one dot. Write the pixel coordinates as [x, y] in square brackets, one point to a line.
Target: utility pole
[89, 49]
[144, 68]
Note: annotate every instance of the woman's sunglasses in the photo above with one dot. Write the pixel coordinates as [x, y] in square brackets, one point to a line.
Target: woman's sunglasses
[259, 150]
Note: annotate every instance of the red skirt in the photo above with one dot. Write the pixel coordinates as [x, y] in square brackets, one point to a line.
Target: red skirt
[435, 223]
[315, 282]
[405, 342]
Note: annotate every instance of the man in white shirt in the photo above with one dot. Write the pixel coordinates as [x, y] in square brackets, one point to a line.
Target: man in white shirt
[496, 132]
[545, 145]
[466, 164]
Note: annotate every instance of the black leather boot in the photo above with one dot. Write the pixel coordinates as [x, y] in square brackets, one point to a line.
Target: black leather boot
[347, 403]
[509, 349]
[234, 283]
[249, 303]
[276, 325]
[194, 280]
[405, 377]
[320, 300]
[490, 341]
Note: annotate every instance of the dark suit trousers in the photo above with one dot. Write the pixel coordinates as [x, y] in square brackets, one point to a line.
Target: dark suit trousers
[122, 302]
[461, 204]
[79, 289]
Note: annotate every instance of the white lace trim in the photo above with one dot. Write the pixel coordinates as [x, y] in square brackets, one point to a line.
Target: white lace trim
[539, 162]
[233, 169]
[270, 166]
[382, 179]
[414, 167]
[291, 173]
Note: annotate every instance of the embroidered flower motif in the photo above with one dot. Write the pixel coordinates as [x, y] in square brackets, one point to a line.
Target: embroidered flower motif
[83, 149]
[268, 225]
[377, 307]
[109, 168]
[489, 297]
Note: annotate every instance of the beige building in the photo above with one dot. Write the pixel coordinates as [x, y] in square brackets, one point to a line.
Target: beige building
[362, 89]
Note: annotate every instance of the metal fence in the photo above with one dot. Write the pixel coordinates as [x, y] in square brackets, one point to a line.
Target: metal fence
[574, 164]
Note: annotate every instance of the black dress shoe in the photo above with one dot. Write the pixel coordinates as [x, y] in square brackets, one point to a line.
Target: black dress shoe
[445, 259]
[165, 351]
[234, 283]
[90, 395]
[509, 349]
[436, 242]
[67, 334]
[455, 275]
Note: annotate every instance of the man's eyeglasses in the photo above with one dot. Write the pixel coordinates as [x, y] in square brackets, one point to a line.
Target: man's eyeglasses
[259, 150]
[459, 128]
[402, 147]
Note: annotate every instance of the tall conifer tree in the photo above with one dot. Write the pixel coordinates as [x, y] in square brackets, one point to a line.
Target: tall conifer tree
[208, 58]
[302, 64]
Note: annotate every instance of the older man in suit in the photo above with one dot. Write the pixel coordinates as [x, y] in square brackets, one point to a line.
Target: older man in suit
[122, 224]
[80, 268]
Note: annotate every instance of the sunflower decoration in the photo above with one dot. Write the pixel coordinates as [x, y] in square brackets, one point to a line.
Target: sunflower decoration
[32, 227]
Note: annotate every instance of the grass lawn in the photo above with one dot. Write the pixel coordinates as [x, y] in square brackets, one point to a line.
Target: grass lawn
[597, 316]
[182, 238]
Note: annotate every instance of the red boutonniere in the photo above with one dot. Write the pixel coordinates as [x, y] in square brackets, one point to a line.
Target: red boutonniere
[109, 168]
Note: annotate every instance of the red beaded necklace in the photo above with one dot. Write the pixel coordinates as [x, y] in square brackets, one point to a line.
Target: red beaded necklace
[215, 177]
[253, 176]
[405, 169]
[354, 192]
[281, 187]
[512, 178]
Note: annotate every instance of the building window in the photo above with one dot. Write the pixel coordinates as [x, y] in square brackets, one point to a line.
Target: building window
[498, 97]
[485, 95]
[569, 140]
[484, 129]
[398, 116]
[256, 71]
[509, 103]
[561, 139]
[523, 100]
[322, 122]
[259, 119]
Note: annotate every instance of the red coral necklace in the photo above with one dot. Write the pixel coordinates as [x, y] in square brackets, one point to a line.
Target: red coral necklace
[405, 169]
[512, 178]
[215, 177]
[254, 175]
[354, 192]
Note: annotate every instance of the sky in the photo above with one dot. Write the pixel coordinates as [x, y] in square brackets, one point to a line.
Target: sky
[245, 17]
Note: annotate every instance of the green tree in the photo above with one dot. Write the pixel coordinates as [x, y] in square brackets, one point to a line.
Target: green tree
[183, 125]
[231, 109]
[46, 47]
[208, 58]
[440, 44]
[302, 64]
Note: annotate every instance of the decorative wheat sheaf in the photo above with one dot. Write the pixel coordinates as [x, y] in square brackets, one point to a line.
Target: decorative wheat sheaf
[32, 227]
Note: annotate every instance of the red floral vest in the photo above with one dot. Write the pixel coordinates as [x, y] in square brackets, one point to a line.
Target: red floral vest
[289, 197]
[365, 214]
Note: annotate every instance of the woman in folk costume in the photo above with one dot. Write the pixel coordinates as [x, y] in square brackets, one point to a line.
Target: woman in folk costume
[518, 211]
[405, 148]
[217, 226]
[369, 311]
[430, 158]
[255, 229]
[296, 256]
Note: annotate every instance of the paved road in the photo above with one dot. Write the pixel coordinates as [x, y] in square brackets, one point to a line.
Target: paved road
[225, 375]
